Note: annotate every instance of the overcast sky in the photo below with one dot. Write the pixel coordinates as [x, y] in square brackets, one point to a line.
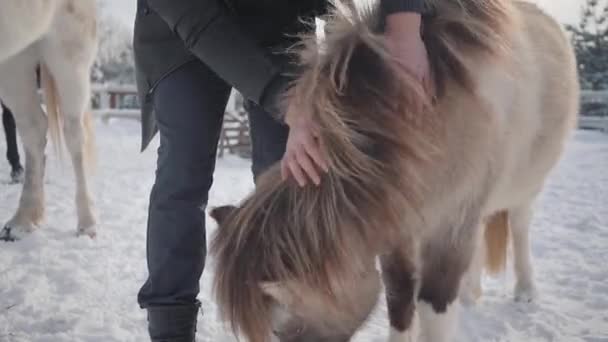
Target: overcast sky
[566, 11]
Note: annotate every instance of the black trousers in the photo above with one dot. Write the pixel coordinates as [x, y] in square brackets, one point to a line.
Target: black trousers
[189, 106]
[10, 132]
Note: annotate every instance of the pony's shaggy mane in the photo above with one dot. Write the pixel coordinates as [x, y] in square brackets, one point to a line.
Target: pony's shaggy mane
[377, 128]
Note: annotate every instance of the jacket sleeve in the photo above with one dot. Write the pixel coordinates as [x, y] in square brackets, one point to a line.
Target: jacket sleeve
[212, 34]
[395, 6]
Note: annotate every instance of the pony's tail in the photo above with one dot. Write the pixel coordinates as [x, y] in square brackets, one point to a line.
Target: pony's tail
[497, 239]
[53, 110]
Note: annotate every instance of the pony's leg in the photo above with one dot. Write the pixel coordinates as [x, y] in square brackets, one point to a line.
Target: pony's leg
[18, 91]
[398, 274]
[73, 89]
[520, 229]
[445, 259]
[471, 289]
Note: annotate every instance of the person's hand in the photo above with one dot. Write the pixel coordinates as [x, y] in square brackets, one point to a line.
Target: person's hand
[303, 159]
[405, 42]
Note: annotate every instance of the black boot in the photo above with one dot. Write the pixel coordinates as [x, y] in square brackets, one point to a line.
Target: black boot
[175, 323]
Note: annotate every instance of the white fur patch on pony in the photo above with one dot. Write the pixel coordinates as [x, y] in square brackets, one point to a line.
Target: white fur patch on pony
[437, 327]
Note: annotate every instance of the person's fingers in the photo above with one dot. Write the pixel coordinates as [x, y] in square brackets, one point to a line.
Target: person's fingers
[307, 165]
[296, 172]
[314, 151]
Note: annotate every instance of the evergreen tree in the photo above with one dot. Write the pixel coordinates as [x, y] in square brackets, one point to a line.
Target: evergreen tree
[590, 40]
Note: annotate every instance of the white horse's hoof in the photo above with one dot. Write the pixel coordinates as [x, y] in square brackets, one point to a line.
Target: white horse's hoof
[7, 235]
[14, 232]
[17, 229]
[525, 293]
[89, 231]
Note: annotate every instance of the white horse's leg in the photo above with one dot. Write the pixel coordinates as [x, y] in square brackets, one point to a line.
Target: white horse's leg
[520, 229]
[18, 91]
[68, 51]
[73, 92]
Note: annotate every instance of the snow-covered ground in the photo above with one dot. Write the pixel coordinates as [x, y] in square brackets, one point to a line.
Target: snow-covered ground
[56, 287]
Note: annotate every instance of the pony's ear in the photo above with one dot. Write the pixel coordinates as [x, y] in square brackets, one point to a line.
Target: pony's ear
[220, 214]
[278, 292]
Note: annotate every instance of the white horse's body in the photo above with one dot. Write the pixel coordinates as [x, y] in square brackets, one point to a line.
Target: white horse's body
[60, 37]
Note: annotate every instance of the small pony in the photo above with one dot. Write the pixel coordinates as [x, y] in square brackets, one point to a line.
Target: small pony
[411, 181]
[60, 36]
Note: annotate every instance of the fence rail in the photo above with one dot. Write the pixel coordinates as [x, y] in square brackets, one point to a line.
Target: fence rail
[594, 96]
[599, 123]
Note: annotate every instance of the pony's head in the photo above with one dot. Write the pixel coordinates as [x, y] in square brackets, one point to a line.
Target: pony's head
[290, 309]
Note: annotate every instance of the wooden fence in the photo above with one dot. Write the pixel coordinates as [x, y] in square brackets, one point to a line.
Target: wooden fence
[120, 102]
[111, 101]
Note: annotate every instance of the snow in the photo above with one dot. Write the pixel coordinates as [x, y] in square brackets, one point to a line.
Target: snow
[56, 287]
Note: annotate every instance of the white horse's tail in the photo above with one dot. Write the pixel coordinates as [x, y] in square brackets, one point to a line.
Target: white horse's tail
[53, 111]
[55, 120]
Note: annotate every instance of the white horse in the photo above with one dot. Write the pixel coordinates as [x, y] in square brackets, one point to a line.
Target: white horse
[60, 37]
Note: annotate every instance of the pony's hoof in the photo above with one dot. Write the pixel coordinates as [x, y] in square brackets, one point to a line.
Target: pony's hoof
[470, 295]
[469, 299]
[87, 231]
[525, 294]
[405, 336]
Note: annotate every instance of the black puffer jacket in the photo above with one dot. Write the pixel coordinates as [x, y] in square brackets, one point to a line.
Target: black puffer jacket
[233, 37]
